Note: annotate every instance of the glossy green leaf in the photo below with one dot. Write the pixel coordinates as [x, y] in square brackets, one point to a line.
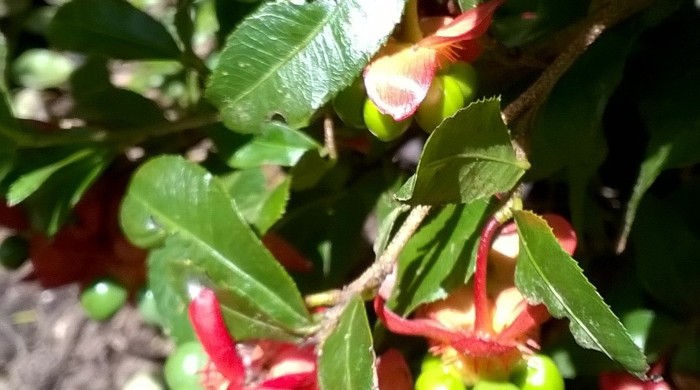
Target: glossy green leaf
[8, 124]
[666, 248]
[110, 28]
[277, 144]
[346, 359]
[673, 122]
[260, 194]
[519, 22]
[468, 157]
[288, 58]
[51, 181]
[439, 257]
[545, 273]
[186, 216]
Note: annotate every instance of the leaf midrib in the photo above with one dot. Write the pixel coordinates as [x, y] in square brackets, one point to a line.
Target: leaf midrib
[224, 260]
[286, 59]
[566, 307]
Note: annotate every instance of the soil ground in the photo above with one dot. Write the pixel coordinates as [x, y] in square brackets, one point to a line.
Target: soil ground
[48, 343]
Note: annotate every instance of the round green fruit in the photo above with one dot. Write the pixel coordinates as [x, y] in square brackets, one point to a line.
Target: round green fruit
[465, 76]
[540, 373]
[444, 98]
[349, 104]
[182, 368]
[14, 251]
[103, 298]
[383, 126]
[490, 385]
[437, 379]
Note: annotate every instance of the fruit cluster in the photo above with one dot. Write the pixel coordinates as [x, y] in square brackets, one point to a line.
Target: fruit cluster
[538, 372]
[453, 88]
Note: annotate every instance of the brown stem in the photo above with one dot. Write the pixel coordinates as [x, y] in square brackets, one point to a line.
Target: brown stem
[329, 137]
[372, 277]
[606, 15]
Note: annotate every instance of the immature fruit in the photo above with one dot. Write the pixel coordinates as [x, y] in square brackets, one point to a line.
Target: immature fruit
[436, 376]
[381, 125]
[183, 367]
[489, 385]
[540, 374]
[438, 380]
[465, 77]
[13, 252]
[103, 298]
[349, 104]
[444, 98]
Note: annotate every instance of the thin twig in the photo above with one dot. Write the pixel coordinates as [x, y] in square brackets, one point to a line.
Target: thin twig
[607, 15]
[373, 276]
[329, 136]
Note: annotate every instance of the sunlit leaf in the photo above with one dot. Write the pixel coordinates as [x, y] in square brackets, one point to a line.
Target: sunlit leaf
[185, 215]
[260, 194]
[346, 359]
[288, 58]
[438, 257]
[468, 157]
[545, 273]
[277, 144]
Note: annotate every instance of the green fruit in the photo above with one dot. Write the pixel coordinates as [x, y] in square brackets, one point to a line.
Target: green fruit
[434, 363]
[381, 125]
[182, 368]
[148, 308]
[465, 76]
[436, 379]
[349, 104]
[103, 298]
[540, 373]
[13, 252]
[444, 98]
[489, 385]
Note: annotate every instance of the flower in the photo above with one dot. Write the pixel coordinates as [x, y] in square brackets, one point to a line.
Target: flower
[268, 364]
[398, 78]
[489, 344]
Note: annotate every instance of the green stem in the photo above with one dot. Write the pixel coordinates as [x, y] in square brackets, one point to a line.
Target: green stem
[102, 136]
[411, 25]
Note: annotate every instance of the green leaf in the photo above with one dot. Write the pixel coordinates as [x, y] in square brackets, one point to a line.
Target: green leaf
[468, 157]
[666, 248]
[674, 126]
[92, 89]
[439, 257]
[545, 273]
[51, 181]
[111, 28]
[260, 194]
[467, 4]
[277, 144]
[185, 214]
[346, 360]
[518, 22]
[8, 124]
[288, 59]
[29, 182]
